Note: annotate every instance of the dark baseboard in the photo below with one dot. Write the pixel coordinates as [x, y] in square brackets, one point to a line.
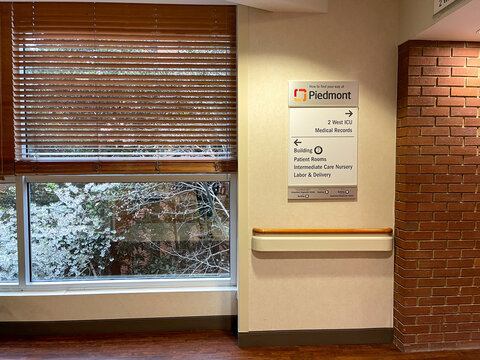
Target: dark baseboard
[315, 337]
[115, 326]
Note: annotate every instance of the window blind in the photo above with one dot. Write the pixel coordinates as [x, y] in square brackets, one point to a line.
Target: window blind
[122, 88]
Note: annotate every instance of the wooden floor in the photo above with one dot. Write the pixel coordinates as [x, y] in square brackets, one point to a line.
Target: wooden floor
[209, 345]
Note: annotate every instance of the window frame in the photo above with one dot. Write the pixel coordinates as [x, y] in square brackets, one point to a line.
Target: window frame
[25, 282]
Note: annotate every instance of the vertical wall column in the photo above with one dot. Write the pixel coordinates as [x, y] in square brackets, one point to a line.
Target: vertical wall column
[437, 208]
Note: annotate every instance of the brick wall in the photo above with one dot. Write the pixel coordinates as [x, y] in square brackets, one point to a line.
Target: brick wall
[437, 208]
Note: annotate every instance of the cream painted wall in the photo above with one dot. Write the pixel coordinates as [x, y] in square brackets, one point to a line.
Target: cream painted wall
[356, 40]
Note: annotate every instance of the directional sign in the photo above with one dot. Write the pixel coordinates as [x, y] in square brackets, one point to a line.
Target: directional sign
[322, 158]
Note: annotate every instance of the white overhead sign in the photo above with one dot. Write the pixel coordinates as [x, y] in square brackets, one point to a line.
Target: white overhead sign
[322, 158]
[439, 5]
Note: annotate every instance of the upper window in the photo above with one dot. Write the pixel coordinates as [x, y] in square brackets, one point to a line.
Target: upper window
[109, 85]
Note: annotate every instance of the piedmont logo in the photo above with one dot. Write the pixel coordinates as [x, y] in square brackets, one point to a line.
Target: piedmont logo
[297, 95]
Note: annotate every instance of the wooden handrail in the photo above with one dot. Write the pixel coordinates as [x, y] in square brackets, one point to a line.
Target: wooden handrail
[322, 231]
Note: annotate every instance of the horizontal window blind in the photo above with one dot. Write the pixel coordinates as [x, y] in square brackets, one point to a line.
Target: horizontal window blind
[124, 87]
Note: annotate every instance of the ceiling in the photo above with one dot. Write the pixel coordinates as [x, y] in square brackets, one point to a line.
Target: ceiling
[461, 25]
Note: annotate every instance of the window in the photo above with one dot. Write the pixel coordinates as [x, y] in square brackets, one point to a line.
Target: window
[110, 230]
[118, 125]
[8, 234]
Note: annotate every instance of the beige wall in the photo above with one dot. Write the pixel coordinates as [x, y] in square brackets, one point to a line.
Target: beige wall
[356, 40]
[115, 305]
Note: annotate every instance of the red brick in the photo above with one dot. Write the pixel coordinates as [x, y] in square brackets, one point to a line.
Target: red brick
[415, 235]
[475, 82]
[435, 71]
[434, 150]
[450, 101]
[446, 235]
[435, 111]
[408, 131]
[473, 102]
[472, 122]
[462, 169]
[416, 274]
[452, 62]
[417, 179]
[460, 282]
[426, 159]
[457, 336]
[408, 169]
[420, 140]
[440, 140]
[420, 101]
[471, 160]
[473, 62]
[461, 71]
[448, 159]
[420, 60]
[446, 309]
[461, 91]
[413, 216]
[460, 244]
[470, 197]
[458, 111]
[435, 91]
[457, 318]
[463, 150]
[470, 254]
[432, 264]
[446, 291]
[431, 207]
[431, 282]
[414, 91]
[446, 254]
[471, 178]
[434, 131]
[463, 131]
[439, 300]
[461, 188]
[433, 188]
[408, 150]
[435, 51]
[430, 319]
[434, 169]
[460, 263]
[461, 206]
[472, 141]
[414, 70]
[418, 121]
[433, 244]
[446, 273]
[449, 121]
[467, 52]
[424, 254]
[425, 81]
[433, 226]
[447, 197]
[448, 81]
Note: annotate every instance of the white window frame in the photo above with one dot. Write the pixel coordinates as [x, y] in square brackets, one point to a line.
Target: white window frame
[25, 282]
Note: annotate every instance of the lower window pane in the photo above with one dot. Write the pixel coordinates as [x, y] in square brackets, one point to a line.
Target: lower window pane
[8, 234]
[82, 231]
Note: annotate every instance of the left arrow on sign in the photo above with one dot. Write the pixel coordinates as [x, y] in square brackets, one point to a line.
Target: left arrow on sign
[296, 142]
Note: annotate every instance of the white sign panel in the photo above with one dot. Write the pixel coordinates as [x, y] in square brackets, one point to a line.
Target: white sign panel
[322, 93]
[439, 5]
[322, 150]
[323, 147]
